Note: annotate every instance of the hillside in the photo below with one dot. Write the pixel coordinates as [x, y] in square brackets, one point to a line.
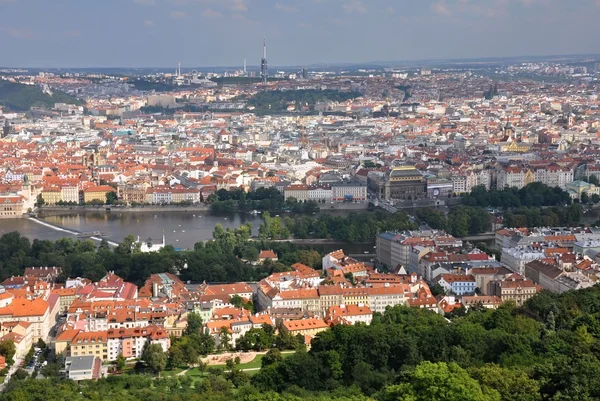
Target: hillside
[20, 97]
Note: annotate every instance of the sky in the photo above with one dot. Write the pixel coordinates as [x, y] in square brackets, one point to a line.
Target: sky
[202, 33]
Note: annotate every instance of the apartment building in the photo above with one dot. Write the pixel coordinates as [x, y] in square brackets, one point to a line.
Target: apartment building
[131, 342]
[97, 193]
[349, 192]
[515, 288]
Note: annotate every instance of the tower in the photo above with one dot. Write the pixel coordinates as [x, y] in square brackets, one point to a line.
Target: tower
[263, 62]
[179, 68]
[6, 129]
[244, 65]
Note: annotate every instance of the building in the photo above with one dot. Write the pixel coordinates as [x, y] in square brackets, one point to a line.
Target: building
[509, 177]
[516, 258]
[97, 193]
[458, 284]
[305, 327]
[515, 287]
[41, 314]
[267, 254]
[349, 192]
[349, 314]
[551, 277]
[91, 343]
[11, 206]
[131, 342]
[578, 188]
[405, 183]
[296, 191]
[439, 188]
[83, 368]
[320, 194]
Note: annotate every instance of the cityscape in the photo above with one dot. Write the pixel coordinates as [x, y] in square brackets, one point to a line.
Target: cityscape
[294, 225]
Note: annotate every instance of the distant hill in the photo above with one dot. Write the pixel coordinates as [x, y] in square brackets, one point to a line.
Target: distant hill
[20, 97]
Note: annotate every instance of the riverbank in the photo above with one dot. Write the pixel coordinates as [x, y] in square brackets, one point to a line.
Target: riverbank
[64, 210]
[58, 210]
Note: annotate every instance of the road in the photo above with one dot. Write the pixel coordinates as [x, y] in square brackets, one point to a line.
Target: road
[11, 371]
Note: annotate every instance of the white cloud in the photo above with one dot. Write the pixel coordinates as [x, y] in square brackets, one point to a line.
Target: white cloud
[210, 13]
[440, 8]
[238, 5]
[286, 8]
[178, 14]
[355, 6]
[148, 22]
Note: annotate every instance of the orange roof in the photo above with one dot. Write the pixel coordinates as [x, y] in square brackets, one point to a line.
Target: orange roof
[67, 335]
[305, 324]
[23, 307]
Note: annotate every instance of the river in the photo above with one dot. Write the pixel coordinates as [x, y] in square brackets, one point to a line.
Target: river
[181, 229]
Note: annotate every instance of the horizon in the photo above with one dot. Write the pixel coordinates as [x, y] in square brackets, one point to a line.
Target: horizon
[414, 63]
[208, 33]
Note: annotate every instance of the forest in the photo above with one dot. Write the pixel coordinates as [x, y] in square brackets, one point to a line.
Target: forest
[20, 97]
[219, 260]
[460, 221]
[548, 349]
[355, 227]
[546, 217]
[532, 195]
[263, 199]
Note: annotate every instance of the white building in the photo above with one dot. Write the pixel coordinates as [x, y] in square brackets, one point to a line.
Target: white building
[516, 258]
[351, 191]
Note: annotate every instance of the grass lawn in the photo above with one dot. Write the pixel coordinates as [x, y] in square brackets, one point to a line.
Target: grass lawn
[173, 372]
[194, 372]
[257, 361]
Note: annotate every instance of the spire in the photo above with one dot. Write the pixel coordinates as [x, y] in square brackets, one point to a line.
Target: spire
[263, 62]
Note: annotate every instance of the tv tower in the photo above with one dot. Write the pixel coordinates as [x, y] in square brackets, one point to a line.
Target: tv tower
[263, 62]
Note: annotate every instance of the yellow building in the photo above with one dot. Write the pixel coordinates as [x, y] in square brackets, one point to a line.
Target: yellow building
[519, 147]
[529, 177]
[97, 193]
[355, 296]
[306, 327]
[51, 195]
[63, 340]
[66, 296]
[93, 343]
[175, 325]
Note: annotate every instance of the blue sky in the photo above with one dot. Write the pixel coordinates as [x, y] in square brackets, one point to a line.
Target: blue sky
[147, 33]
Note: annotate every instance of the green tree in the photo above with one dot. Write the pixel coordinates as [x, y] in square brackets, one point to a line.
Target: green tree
[272, 356]
[224, 339]
[437, 382]
[511, 384]
[176, 356]
[585, 198]
[121, 362]
[39, 202]
[111, 198]
[194, 323]
[155, 358]
[8, 350]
